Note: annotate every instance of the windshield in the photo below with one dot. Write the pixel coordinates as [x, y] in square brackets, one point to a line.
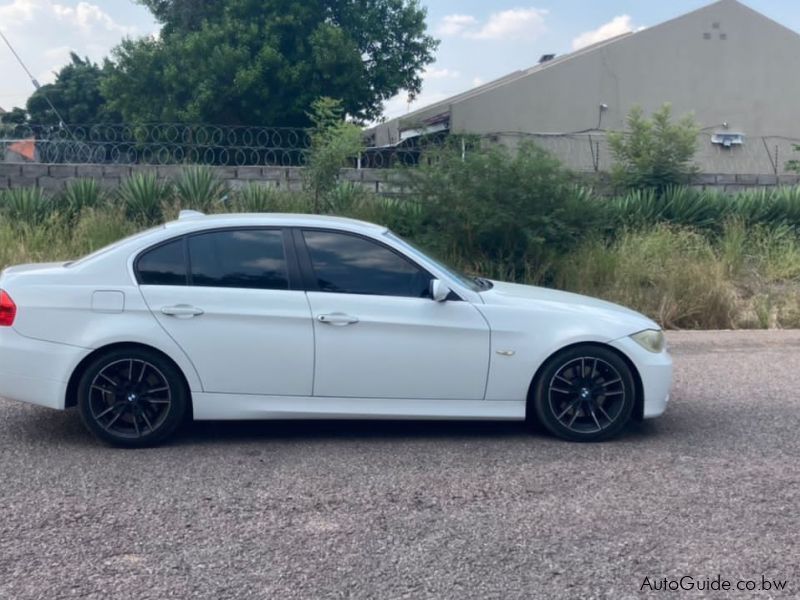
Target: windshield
[476, 284]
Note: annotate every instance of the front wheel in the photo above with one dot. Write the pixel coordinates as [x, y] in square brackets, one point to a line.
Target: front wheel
[132, 397]
[585, 394]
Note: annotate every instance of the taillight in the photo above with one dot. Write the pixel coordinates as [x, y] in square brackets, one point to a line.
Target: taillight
[8, 310]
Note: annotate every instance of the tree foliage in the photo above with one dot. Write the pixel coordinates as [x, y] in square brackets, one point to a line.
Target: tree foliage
[75, 94]
[247, 62]
[334, 143]
[655, 153]
[518, 209]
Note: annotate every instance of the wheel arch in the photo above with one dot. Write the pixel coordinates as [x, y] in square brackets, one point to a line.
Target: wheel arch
[638, 408]
[71, 398]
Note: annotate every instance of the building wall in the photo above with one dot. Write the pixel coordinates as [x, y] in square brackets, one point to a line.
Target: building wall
[744, 75]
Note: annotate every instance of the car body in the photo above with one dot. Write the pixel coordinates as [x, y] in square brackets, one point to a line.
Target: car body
[277, 316]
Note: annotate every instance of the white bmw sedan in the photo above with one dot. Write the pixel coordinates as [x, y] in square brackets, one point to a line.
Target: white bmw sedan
[309, 317]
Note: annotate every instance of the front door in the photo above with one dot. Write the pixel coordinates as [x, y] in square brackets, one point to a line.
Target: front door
[379, 334]
[224, 297]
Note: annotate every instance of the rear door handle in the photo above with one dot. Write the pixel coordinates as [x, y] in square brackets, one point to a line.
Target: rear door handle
[182, 311]
[337, 319]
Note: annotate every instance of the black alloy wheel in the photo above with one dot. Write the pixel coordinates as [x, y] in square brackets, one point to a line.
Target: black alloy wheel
[585, 394]
[132, 398]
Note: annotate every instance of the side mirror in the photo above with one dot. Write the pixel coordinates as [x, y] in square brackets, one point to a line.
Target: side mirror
[439, 291]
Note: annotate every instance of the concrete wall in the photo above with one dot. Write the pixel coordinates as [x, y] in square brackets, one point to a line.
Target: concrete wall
[55, 177]
[380, 181]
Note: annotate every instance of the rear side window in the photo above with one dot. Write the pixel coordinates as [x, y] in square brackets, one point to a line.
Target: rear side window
[247, 258]
[163, 265]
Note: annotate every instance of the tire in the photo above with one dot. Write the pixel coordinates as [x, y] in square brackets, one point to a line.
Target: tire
[132, 398]
[584, 394]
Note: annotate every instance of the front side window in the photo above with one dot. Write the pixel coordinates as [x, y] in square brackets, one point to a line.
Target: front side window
[348, 264]
[247, 258]
[163, 265]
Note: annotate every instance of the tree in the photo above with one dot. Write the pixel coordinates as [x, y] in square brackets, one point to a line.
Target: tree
[75, 94]
[655, 153]
[16, 116]
[256, 62]
[334, 142]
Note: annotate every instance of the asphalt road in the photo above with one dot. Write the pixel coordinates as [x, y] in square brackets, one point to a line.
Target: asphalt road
[421, 510]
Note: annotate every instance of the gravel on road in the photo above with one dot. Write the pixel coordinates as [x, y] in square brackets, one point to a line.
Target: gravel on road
[385, 510]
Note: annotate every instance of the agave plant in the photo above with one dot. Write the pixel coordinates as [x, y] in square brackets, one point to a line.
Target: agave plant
[143, 197]
[26, 206]
[259, 198]
[198, 188]
[80, 194]
[345, 198]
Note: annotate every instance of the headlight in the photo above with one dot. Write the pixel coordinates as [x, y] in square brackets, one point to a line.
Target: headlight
[651, 339]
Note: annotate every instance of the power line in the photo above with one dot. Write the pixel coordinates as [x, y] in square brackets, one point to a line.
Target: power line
[36, 84]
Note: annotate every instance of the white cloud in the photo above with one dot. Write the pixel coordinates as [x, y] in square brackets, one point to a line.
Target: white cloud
[516, 23]
[617, 26]
[89, 17]
[512, 24]
[44, 32]
[433, 73]
[454, 25]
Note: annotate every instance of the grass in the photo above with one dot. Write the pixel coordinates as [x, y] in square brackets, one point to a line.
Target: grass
[733, 263]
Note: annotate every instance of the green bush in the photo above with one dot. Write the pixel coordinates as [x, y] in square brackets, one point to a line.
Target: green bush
[512, 208]
[654, 153]
[335, 143]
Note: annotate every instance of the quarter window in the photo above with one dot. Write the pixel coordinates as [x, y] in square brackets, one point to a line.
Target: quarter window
[349, 264]
[163, 265]
[246, 258]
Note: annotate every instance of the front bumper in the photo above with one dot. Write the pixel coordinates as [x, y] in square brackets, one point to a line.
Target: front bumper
[655, 371]
[35, 371]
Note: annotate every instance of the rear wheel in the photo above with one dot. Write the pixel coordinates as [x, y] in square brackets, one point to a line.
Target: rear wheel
[585, 394]
[132, 397]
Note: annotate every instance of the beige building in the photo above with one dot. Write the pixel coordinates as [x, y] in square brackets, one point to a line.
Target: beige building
[731, 66]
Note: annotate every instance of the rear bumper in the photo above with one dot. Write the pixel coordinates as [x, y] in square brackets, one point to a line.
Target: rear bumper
[656, 374]
[35, 371]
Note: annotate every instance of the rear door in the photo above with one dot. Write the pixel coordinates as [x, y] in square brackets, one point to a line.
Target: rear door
[230, 299]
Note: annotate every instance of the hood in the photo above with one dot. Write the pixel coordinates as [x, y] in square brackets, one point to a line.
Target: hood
[513, 294]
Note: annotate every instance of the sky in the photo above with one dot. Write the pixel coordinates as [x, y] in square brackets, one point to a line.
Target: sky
[480, 40]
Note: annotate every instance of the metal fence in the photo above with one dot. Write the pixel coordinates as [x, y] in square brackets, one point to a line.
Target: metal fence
[174, 144]
[160, 144]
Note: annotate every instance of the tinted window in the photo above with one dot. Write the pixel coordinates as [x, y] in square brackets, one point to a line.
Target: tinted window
[239, 259]
[352, 265]
[163, 265]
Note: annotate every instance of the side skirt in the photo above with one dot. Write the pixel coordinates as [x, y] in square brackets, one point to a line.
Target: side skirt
[220, 407]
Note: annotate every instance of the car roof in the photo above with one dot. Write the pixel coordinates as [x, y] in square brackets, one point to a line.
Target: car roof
[196, 221]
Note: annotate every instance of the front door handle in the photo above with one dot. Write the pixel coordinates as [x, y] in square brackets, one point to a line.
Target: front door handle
[337, 319]
[182, 311]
